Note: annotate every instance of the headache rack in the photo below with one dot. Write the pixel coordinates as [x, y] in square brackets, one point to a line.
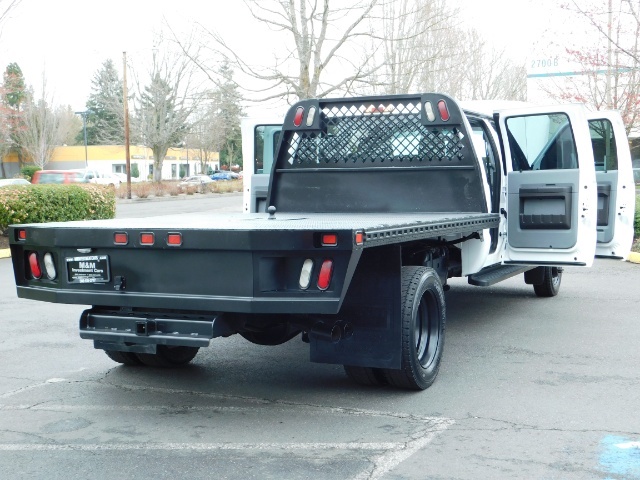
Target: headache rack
[401, 147]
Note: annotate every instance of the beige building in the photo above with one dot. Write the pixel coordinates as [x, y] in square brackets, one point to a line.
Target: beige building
[179, 162]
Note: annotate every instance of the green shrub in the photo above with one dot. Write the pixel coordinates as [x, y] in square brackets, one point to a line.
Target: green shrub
[55, 203]
[28, 170]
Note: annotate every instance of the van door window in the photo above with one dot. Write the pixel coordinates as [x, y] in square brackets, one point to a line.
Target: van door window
[605, 153]
[541, 142]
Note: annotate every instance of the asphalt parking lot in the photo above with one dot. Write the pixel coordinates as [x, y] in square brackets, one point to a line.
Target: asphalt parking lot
[529, 388]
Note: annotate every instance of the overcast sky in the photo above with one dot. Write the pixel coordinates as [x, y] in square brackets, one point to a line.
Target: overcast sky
[70, 39]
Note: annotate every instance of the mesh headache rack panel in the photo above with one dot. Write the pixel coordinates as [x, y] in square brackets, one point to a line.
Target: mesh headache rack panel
[383, 136]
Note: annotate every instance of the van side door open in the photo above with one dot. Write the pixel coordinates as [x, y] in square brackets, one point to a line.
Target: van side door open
[551, 186]
[616, 190]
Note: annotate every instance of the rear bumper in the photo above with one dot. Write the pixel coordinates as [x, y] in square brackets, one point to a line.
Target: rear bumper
[282, 304]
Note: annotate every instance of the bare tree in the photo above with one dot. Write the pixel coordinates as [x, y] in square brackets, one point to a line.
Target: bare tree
[608, 68]
[41, 132]
[490, 73]
[415, 36]
[5, 8]
[69, 125]
[321, 35]
[165, 105]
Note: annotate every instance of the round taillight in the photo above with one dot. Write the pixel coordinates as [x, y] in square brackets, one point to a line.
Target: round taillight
[34, 266]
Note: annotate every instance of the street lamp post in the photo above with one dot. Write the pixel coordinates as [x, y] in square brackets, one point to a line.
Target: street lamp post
[84, 128]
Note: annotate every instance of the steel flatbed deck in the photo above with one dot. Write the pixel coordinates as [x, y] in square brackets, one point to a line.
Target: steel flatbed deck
[201, 231]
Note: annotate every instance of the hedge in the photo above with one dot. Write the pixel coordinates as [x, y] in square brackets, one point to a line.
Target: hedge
[55, 203]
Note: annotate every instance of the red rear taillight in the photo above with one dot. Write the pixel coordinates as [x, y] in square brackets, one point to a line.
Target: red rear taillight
[324, 278]
[174, 239]
[297, 119]
[120, 238]
[443, 110]
[21, 235]
[147, 238]
[329, 239]
[34, 265]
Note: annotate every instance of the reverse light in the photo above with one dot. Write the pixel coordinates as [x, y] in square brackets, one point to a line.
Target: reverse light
[50, 266]
[147, 238]
[428, 108]
[329, 240]
[297, 119]
[120, 238]
[174, 239]
[311, 116]
[305, 274]
[34, 266]
[324, 278]
[443, 110]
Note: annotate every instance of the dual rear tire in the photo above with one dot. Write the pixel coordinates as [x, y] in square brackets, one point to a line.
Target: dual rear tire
[165, 357]
[423, 318]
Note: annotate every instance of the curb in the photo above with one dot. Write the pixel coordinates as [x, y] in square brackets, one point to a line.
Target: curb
[5, 253]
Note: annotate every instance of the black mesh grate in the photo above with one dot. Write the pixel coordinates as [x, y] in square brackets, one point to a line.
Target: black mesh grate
[368, 135]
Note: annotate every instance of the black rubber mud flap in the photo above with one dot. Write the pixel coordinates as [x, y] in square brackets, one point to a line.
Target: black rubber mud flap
[372, 308]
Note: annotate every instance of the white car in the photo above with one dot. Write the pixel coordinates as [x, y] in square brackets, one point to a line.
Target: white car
[195, 181]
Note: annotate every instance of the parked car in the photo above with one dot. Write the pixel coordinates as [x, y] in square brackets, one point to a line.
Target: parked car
[58, 176]
[194, 181]
[222, 176]
[5, 182]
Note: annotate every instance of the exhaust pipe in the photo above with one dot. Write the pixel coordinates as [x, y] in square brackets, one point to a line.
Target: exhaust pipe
[323, 331]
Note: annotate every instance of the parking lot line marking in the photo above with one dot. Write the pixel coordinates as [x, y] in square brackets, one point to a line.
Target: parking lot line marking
[392, 453]
[52, 447]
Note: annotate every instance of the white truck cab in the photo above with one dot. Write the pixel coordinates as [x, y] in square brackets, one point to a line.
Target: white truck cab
[561, 178]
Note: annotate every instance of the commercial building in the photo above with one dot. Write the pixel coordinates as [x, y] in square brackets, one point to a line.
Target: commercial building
[178, 163]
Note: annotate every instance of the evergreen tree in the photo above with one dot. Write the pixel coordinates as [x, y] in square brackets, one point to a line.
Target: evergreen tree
[228, 113]
[15, 88]
[105, 120]
[14, 96]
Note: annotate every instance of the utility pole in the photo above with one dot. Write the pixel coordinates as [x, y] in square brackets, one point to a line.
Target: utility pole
[126, 123]
[84, 128]
[609, 48]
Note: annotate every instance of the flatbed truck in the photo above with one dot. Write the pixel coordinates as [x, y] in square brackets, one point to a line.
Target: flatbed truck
[372, 204]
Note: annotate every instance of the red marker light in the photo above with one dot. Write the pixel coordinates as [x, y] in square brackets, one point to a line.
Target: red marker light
[174, 239]
[443, 110]
[22, 235]
[120, 238]
[329, 239]
[147, 238]
[297, 119]
[34, 265]
[359, 238]
[324, 278]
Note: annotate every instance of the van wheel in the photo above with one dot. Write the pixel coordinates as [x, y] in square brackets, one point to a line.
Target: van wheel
[366, 375]
[423, 325]
[125, 358]
[550, 286]
[167, 357]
